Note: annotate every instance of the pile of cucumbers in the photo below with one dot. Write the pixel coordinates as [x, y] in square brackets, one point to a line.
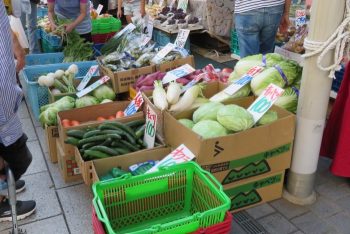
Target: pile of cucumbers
[108, 139]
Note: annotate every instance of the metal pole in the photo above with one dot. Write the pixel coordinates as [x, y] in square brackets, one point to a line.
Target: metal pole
[312, 108]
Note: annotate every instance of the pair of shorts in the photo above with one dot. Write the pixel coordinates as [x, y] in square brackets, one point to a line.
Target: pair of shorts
[132, 8]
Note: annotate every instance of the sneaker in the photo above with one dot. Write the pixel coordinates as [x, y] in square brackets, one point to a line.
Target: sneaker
[24, 209]
[20, 186]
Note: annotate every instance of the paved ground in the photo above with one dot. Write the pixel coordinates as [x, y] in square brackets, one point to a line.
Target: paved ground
[66, 208]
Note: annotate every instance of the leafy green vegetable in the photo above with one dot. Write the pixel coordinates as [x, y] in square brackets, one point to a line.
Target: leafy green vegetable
[86, 101]
[104, 92]
[235, 118]
[207, 111]
[268, 118]
[288, 100]
[187, 123]
[49, 116]
[209, 129]
[65, 103]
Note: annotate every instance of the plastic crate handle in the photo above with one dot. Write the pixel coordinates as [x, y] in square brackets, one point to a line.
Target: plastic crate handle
[98, 212]
[208, 174]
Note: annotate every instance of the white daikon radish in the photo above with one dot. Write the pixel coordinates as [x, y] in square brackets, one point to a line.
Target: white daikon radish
[187, 99]
[173, 93]
[159, 96]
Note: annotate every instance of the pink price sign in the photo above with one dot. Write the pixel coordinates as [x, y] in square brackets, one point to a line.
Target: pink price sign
[134, 105]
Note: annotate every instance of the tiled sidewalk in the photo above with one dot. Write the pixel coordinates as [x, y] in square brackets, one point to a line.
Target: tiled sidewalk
[66, 208]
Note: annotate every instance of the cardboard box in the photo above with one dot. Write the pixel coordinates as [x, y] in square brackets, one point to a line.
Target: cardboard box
[171, 65]
[67, 165]
[290, 55]
[123, 79]
[255, 191]
[209, 91]
[242, 155]
[87, 116]
[103, 166]
[51, 135]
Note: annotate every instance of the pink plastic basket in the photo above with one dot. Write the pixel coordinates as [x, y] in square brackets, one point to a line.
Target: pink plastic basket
[96, 224]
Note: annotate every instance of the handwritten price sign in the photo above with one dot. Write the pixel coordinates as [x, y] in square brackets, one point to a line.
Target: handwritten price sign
[93, 86]
[182, 38]
[87, 77]
[150, 130]
[265, 101]
[246, 78]
[179, 155]
[134, 105]
[300, 18]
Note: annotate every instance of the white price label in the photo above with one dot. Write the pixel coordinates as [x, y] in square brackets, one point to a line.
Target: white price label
[150, 2]
[163, 52]
[161, 2]
[145, 40]
[179, 155]
[93, 86]
[92, 71]
[76, 171]
[177, 73]
[182, 38]
[151, 128]
[182, 5]
[193, 82]
[265, 101]
[245, 79]
[172, 3]
[99, 9]
[129, 28]
[134, 105]
[150, 23]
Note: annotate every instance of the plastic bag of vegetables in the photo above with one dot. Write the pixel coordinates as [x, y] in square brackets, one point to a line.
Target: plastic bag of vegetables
[104, 92]
[235, 118]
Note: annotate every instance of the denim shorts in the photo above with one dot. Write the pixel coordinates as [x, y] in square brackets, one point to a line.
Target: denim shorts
[256, 30]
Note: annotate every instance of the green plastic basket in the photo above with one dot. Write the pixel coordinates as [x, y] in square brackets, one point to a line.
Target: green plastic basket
[177, 199]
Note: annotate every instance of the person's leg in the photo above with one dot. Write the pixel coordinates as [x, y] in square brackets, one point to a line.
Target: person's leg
[248, 27]
[17, 156]
[128, 12]
[87, 37]
[31, 26]
[272, 19]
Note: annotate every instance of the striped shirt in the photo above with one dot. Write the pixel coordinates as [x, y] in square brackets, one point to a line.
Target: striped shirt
[248, 5]
[10, 93]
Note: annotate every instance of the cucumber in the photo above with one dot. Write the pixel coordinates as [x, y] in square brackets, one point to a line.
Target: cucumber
[93, 139]
[72, 141]
[124, 127]
[92, 133]
[140, 131]
[122, 150]
[135, 123]
[108, 126]
[107, 142]
[129, 138]
[91, 144]
[129, 146]
[94, 154]
[105, 149]
[142, 143]
[76, 133]
[119, 132]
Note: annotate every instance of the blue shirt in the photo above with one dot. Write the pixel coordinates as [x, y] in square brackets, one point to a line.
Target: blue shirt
[10, 93]
[70, 9]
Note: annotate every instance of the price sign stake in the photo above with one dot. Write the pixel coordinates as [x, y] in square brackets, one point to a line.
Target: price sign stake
[99, 9]
[151, 126]
[134, 105]
[93, 86]
[87, 77]
[264, 102]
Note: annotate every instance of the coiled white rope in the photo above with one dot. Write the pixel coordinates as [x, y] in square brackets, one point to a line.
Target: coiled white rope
[339, 40]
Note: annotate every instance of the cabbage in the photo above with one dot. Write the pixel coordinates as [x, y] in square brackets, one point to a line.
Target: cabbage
[207, 111]
[187, 123]
[49, 116]
[235, 118]
[209, 129]
[288, 100]
[271, 75]
[268, 117]
[86, 101]
[65, 103]
[104, 92]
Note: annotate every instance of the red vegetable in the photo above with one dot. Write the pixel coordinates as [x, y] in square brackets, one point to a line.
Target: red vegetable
[182, 81]
[145, 88]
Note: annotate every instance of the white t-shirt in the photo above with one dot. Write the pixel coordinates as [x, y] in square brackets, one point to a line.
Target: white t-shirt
[248, 5]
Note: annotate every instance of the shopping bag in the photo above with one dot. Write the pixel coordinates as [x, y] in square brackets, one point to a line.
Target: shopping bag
[17, 28]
